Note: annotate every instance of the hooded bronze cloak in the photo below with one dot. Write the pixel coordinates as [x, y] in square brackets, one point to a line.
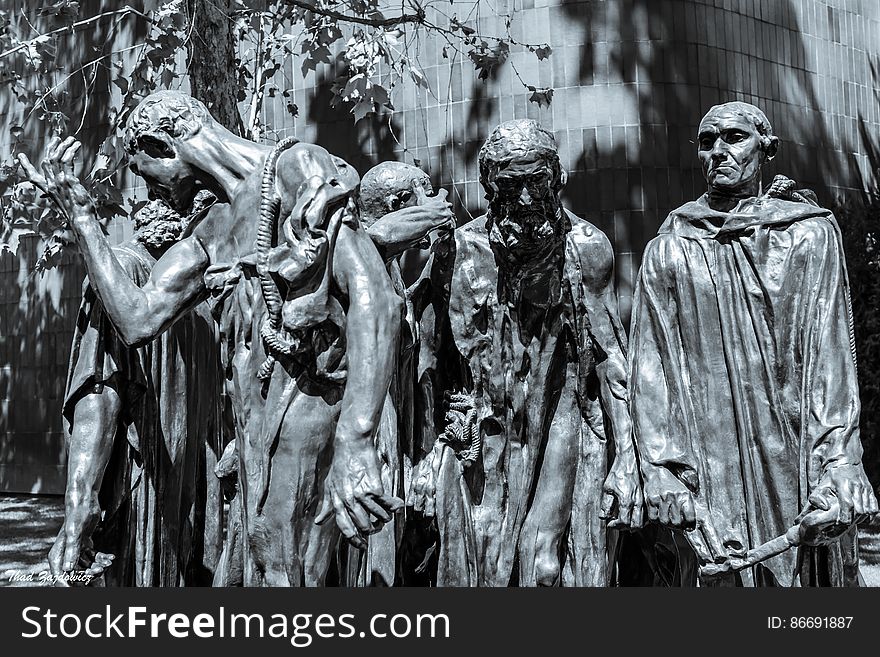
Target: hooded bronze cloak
[743, 375]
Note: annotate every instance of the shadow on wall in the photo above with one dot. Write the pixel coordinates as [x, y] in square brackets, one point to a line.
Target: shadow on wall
[668, 59]
[860, 223]
[460, 154]
[672, 59]
[38, 311]
[660, 57]
[37, 325]
[677, 80]
[363, 144]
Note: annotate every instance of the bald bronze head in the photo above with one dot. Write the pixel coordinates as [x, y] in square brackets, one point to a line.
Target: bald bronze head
[735, 140]
[390, 186]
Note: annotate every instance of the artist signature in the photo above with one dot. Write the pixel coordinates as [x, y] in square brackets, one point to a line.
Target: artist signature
[47, 577]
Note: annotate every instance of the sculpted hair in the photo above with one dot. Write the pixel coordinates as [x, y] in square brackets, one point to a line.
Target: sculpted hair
[751, 114]
[514, 140]
[172, 113]
[157, 224]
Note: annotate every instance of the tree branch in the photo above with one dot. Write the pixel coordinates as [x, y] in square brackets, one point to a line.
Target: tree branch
[311, 5]
[72, 27]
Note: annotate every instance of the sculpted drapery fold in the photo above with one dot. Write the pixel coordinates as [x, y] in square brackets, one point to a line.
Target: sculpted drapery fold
[744, 382]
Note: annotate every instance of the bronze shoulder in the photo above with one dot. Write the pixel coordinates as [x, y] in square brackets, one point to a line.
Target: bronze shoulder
[593, 251]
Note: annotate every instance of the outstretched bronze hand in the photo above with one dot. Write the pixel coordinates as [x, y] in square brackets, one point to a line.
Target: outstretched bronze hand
[59, 182]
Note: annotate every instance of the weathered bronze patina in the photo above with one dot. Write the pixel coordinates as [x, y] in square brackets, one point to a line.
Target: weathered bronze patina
[307, 315]
[743, 380]
[529, 350]
[145, 427]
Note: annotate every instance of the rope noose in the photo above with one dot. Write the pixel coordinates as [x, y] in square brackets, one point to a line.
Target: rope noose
[784, 188]
[274, 341]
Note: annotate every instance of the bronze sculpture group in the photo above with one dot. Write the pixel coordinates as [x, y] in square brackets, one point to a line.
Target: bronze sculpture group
[487, 424]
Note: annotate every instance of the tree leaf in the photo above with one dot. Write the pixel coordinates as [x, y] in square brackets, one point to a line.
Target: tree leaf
[51, 255]
[362, 108]
[542, 96]
[167, 77]
[418, 77]
[543, 52]
[378, 95]
[486, 60]
[64, 9]
[356, 88]
[122, 83]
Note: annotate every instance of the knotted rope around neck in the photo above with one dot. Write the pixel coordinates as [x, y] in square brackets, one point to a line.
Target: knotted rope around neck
[274, 341]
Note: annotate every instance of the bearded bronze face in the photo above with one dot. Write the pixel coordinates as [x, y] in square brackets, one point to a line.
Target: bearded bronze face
[155, 137]
[522, 176]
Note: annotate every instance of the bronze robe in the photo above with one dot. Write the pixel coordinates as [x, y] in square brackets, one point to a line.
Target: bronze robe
[296, 408]
[532, 379]
[159, 497]
[743, 376]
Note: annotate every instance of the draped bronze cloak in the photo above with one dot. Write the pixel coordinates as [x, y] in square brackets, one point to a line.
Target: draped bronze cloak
[159, 497]
[531, 379]
[742, 371]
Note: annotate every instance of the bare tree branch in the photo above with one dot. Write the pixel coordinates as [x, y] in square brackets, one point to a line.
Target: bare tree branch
[73, 27]
[310, 5]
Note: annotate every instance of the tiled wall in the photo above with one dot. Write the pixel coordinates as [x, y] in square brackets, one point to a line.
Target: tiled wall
[37, 315]
[37, 312]
[632, 79]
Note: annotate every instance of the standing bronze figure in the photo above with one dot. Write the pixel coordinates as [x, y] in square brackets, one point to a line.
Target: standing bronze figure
[399, 209]
[743, 382]
[144, 429]
[307, 315]
[531, 353]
